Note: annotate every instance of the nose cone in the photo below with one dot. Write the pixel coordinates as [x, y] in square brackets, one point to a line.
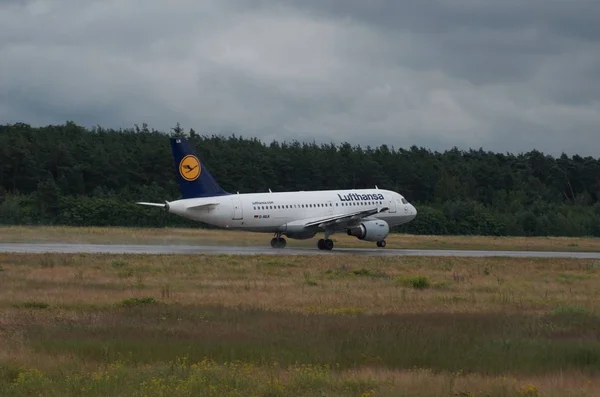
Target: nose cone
[412, 212]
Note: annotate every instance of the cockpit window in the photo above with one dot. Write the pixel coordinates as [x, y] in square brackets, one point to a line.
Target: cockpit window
[404, 201]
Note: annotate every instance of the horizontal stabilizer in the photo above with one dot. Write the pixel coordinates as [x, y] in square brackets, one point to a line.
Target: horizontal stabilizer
[162, 205]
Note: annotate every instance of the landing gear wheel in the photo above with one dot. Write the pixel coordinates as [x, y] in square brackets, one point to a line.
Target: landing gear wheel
[325, 244]
[381, 244]
[278, 242]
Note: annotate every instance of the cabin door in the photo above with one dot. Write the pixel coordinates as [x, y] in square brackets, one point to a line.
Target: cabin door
[392, 205]
[237, 209]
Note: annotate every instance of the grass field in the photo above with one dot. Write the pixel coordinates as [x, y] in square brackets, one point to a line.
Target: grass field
[99, 235]
[128, 325]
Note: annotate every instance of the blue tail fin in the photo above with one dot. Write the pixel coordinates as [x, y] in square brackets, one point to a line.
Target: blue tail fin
[194, 179]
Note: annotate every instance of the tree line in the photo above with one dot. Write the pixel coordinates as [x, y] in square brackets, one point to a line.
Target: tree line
[71, 175]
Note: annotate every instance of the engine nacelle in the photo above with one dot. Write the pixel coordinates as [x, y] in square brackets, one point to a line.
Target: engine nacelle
[375, 230]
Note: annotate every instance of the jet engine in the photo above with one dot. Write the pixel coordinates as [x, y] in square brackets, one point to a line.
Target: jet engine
[375, 230]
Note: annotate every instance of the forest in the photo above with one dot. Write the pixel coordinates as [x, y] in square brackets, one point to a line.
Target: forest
[72, 175]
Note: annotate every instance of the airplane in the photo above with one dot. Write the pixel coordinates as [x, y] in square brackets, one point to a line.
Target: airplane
[367, 214]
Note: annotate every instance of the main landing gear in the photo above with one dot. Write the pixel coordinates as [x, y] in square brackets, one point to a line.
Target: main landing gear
[325, 244]
[278, 242]
[381, 244]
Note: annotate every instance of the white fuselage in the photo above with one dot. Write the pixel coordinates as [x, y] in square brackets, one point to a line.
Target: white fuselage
[268, 212]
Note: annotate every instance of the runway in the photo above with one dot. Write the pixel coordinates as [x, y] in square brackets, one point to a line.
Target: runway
[259, 250]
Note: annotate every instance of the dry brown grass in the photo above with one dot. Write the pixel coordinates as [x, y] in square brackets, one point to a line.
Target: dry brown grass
[306, 284]
[82, 290]
[116, 235]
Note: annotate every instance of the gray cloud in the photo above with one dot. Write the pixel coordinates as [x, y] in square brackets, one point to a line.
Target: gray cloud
[505, 76]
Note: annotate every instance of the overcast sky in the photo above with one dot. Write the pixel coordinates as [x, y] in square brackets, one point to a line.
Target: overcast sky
[509, 75]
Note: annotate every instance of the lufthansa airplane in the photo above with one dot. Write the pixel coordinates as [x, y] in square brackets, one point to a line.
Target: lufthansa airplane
[367, 214]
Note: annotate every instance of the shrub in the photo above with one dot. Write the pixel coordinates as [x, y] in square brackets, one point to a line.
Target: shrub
[132, 302]
[416, 282]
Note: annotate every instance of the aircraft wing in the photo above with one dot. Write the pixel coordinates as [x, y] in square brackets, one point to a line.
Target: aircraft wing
[338, 221]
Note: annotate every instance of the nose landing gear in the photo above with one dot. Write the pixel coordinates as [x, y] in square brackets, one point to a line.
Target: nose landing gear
[381, 244]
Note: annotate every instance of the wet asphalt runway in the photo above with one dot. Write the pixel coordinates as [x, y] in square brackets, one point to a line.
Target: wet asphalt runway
[260, 250]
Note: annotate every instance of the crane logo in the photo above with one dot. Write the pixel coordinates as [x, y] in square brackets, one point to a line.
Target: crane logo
[189, 168]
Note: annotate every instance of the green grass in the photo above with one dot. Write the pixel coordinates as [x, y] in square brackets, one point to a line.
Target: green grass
[184, 378]
[490, 343]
